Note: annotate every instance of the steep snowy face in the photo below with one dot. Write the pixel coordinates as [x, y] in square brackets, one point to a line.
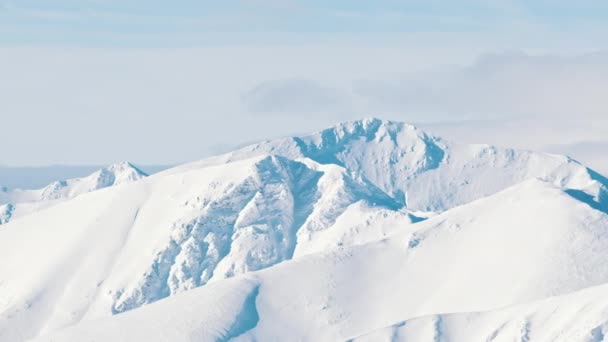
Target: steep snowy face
[424, 172]
[524, 244]
[273, 212]
[385, 152]
[431, 174]
[16, 203]
[241, 223]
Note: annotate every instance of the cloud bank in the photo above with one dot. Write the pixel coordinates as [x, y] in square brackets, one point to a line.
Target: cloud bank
[157, 106]
[501, 85]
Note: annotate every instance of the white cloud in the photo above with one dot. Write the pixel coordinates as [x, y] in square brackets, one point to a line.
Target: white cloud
[291, 97]
[504, 85]
[511, 84]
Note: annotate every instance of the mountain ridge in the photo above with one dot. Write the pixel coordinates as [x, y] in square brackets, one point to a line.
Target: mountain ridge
[399, 158]
[350, 187]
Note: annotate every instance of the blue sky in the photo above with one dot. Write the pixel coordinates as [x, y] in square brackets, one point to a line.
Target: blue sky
[162, 23]
[158, 82]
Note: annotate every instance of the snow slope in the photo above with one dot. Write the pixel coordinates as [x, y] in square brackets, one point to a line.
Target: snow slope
[527, 243]
[18, 202]
[340, 190]
[580, 316]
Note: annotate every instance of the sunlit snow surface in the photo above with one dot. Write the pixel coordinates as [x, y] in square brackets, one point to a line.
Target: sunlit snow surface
[382, 222]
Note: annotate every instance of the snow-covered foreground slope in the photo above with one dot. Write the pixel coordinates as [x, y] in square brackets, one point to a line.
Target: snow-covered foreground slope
[327, 201]
[527, 243]
[16, 203]
[581, 316]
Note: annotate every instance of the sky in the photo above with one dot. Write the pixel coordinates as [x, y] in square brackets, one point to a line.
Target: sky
[158, 82]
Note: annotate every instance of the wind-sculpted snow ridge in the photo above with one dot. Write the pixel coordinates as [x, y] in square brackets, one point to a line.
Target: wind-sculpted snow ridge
[525, 244]
[18, 202]
[424, 172]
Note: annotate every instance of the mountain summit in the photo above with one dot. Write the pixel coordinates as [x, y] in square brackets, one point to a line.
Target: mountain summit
[421, 171]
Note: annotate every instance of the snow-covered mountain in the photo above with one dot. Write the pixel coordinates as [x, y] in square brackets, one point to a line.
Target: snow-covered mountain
[20, 202]
[376, 216]
[527, 243]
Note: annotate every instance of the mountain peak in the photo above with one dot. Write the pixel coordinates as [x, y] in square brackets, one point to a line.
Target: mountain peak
[372, 121]
[14, 203]
[370, 128]
[124, 166]
[120, 165]
[124, 170]
[115, 174]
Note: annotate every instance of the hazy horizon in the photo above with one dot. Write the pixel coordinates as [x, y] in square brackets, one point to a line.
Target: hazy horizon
[95, 82]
